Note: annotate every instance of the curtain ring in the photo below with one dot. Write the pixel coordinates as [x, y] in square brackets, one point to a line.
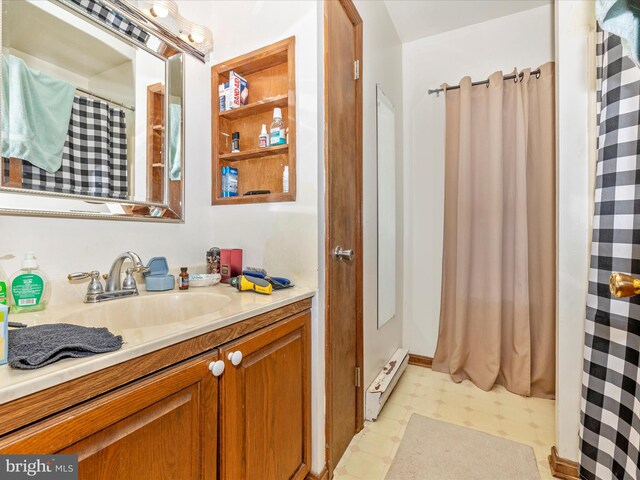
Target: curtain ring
[538, 74]
[516, 78]
[487, 84]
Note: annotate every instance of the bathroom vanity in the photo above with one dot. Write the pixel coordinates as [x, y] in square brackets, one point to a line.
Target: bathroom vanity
[226, 397]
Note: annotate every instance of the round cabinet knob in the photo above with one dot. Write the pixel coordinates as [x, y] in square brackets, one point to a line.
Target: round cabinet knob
[235, 357]
[217, 368]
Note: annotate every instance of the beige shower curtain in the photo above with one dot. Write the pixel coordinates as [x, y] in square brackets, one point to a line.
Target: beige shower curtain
[497, 319]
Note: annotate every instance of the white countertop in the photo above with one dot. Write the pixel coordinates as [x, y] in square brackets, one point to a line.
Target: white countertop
[147, 323]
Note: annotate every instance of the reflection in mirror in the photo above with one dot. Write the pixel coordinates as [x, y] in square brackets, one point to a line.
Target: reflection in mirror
[386, 147]
[87, 124]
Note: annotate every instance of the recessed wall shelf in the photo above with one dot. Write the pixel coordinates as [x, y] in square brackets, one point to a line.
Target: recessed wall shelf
[270, 74]
[255, 153]
[155, 140]
[260, 106]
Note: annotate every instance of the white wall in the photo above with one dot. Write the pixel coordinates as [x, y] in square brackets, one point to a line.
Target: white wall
[521, 40]
[119, 82]
[381, 64]
[575, 56]
[36, 63]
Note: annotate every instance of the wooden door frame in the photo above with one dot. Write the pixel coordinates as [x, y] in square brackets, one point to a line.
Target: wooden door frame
[356, 20]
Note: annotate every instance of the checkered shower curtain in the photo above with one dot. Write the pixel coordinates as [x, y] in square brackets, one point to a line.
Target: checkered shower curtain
[112, 18]
[610, 420]
[94, 158]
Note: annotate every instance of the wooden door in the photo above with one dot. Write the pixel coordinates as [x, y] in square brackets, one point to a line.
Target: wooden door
[265, 404]
[158, 428]
[343, 157]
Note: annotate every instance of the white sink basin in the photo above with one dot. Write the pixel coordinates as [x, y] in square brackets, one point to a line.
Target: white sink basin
[148, 311]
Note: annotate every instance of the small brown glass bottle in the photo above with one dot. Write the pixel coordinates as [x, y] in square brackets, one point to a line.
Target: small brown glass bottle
[183, 279]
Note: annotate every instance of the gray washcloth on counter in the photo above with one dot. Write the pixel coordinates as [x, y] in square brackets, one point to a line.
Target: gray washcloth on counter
[35, 347]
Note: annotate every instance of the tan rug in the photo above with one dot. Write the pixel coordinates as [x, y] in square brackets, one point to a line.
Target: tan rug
[434, 450]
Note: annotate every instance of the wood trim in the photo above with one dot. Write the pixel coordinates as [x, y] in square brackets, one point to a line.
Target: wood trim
[15, 172]
[420, 360]
[348, 4]
[563, 468]
[256, 56]
[323, 475]
[155, 142]
[26, 410]
[352, 12]
[327, 255]
[291, 111]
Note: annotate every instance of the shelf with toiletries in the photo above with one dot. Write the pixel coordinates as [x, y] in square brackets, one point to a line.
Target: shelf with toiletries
[253, 126]
[257, 107]
[255, 153]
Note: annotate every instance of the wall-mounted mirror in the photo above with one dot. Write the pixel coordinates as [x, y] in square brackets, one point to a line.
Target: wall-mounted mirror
[92, 113]
[386, 147]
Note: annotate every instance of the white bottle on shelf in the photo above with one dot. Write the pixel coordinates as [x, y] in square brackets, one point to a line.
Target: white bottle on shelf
[263, 139]
[276, 134]
[285, 179]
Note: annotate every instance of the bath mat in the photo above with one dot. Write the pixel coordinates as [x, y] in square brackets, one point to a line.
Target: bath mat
[434, 450]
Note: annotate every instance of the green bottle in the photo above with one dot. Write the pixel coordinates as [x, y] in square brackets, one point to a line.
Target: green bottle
[3, 293]
[30, 287]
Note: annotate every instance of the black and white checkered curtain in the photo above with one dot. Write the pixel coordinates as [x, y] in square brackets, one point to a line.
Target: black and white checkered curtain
[94, 159]
[610, 420]
[96, 9]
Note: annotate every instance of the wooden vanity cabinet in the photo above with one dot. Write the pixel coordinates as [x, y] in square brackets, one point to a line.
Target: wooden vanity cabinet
[265, 401]
[180, 422]
[158, 428]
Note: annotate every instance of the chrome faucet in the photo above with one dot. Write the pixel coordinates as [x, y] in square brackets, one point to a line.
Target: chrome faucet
[113, 280]
[95, 292]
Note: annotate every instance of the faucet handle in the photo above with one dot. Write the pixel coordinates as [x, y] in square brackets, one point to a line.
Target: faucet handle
[129, 283]
[94, 287]
[94, 274]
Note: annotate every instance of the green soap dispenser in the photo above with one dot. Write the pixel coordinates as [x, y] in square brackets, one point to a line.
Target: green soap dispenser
[30, 287]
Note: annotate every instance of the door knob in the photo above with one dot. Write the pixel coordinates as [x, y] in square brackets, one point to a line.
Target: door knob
[235, 357]
[340, 254]
[217, 368]
[623, 285]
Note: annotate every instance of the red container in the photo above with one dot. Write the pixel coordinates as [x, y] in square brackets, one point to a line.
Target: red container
[230, 263]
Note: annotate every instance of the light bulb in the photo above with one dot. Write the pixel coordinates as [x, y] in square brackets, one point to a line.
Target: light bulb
[195, 38]
[158, 10]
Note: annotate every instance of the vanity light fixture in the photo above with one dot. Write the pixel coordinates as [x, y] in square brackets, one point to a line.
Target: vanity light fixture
[166, 12]
[158, 10]
[195, 37]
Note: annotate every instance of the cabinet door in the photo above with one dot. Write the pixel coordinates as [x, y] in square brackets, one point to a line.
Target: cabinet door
[159, 428]
[265, 404]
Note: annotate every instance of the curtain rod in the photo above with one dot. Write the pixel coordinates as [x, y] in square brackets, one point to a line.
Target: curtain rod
[482, 82]
[108, 100]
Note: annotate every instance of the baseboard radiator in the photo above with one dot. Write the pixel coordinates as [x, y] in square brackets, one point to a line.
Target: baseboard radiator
[379, 391]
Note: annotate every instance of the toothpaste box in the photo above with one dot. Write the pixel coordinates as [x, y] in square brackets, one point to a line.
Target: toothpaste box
[4, 333]
[239, 91]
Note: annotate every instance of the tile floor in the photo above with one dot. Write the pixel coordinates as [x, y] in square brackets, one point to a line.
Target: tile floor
[425, 392]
